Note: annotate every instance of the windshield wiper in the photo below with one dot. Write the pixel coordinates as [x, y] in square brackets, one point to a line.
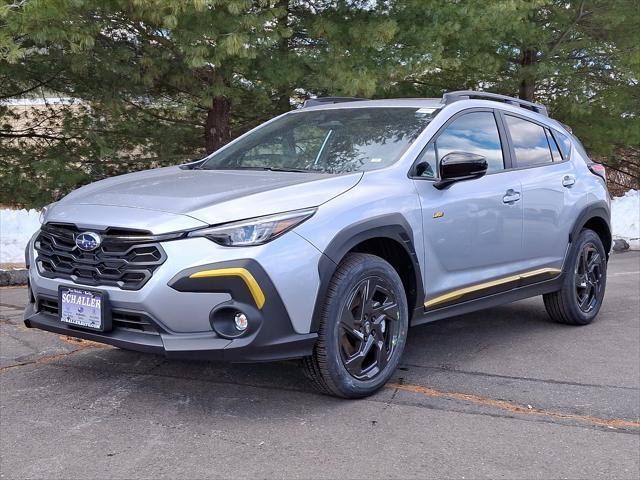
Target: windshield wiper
[269, 169]
[286, 169]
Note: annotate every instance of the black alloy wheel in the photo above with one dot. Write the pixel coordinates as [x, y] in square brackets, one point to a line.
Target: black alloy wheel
[369, 328]
[583, 284]
[363, 328]
[588, 277]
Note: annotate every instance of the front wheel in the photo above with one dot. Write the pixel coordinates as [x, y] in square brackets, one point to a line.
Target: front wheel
[363, 329]
[580, 299]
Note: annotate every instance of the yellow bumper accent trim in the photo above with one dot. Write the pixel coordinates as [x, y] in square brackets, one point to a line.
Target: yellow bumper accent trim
[243, 273]
[455, 294]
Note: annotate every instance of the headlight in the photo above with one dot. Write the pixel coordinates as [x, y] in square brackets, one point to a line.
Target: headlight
[255, 231]
[44, 211]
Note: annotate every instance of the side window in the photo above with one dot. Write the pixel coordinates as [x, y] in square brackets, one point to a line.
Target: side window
[427, 160]
[475, 132]
[563, 142]
[529, 142]
[555, 151]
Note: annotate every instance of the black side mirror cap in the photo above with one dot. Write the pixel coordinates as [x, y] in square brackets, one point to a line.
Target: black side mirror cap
[459, 166]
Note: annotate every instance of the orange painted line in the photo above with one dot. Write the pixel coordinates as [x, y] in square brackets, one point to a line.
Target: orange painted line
[513, 407]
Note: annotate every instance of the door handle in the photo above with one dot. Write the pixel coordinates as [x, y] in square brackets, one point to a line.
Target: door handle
[568, 181]
[511, 196]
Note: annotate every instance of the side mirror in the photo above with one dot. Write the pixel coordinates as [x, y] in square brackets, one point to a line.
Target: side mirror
[458, 166]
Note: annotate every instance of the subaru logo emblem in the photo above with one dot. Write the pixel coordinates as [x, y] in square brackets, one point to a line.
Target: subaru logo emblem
[88, 241]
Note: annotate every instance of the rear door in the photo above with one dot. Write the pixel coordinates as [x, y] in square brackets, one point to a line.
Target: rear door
[472, 229]
[547, 179]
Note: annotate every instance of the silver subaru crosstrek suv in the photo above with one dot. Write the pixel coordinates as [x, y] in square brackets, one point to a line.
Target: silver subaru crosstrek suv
[326, 232]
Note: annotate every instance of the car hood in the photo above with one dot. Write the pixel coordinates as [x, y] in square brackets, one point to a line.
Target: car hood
[214, 196]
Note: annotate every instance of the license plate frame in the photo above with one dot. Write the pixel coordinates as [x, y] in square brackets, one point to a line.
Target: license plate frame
[104, 310]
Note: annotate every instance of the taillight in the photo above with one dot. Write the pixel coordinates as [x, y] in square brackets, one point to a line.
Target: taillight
[599, 170]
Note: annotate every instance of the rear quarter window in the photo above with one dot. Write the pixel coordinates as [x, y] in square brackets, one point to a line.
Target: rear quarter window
[580, 148]
[555, 151]
[564, 142]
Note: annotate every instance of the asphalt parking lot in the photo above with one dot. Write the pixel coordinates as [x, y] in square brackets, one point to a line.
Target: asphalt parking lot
[499, 393]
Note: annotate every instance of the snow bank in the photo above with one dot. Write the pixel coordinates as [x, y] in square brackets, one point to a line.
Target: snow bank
[625, 218]
[16, 228]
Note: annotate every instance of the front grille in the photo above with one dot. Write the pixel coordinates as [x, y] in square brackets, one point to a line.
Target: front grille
[48, 306]
[124, 259]
[132, 321]
[119, 319]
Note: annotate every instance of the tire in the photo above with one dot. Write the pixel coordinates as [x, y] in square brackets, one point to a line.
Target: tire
[363, 329]
[580, 299]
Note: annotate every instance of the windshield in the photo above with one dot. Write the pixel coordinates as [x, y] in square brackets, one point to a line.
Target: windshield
[328, 141]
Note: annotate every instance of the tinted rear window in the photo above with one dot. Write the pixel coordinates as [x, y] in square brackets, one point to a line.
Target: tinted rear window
[529, 142]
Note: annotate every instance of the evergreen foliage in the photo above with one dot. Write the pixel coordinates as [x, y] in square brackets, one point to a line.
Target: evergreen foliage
[156, 82]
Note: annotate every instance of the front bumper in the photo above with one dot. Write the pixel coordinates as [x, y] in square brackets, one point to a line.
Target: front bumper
[261, 348]
[175, 313]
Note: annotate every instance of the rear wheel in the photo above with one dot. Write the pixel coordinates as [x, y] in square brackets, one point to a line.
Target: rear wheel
[363, 329]
[580, 299]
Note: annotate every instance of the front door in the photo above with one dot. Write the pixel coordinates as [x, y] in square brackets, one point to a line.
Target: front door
[472, 229]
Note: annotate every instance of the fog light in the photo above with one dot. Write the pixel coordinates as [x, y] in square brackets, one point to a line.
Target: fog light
[241, 321]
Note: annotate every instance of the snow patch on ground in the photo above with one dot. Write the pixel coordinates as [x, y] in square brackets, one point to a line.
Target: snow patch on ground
[625, 218]
[16, 228]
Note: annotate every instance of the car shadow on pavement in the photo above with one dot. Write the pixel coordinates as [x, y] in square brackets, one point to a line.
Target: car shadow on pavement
[444, 344]
[457, 340]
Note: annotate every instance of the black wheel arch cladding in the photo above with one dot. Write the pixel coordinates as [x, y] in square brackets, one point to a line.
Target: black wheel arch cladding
[597, 217]
[392, 227]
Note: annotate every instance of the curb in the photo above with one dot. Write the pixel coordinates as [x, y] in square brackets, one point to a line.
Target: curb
[13, 277]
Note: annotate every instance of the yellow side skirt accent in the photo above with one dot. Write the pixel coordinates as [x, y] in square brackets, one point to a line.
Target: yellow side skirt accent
[243, 273]
[455, 294]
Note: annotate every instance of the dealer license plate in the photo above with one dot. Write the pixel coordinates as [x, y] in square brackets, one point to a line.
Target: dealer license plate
[83, 308]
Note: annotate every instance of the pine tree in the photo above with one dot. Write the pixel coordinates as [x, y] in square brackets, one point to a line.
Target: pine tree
[157, 82]
[581, 58]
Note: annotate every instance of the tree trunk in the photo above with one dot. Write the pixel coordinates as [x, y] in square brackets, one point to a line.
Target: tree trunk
[284, 91]
[283, 104]
[527, 82]
[216, 129]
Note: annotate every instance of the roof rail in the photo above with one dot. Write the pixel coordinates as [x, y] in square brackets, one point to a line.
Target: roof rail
[312, 102]
[451, 97]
